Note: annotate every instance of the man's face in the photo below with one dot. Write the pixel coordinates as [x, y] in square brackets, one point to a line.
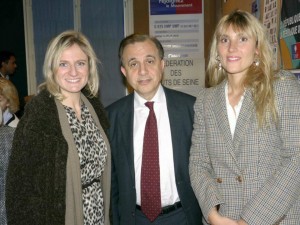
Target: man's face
[10, 66]
[143, 68]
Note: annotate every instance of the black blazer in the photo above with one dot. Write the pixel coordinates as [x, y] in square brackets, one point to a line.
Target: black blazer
[181, 114]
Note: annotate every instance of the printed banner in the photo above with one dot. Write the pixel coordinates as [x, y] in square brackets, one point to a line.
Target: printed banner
[164, 7]
[270, 20]
[290, 34]
[179, 25]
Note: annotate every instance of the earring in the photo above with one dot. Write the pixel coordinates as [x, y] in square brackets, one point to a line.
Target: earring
[256, 61]
[219, 65]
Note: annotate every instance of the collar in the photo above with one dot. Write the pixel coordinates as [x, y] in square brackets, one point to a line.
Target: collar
[1, 74]
[7, 115]
[159, 97]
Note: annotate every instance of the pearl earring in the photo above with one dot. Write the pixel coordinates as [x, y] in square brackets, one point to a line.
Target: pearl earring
[256, 61]
[219, 65]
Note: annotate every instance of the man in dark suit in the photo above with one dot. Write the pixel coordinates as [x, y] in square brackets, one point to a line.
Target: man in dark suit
[142, 64]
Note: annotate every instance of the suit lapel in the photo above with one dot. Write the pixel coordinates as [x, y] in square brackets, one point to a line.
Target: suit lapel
[174, 117]
[126, 129]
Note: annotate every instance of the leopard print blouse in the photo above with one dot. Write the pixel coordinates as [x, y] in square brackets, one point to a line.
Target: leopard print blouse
[92, 152]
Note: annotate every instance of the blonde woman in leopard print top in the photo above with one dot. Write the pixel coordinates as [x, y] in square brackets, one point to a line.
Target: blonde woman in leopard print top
[59, 171]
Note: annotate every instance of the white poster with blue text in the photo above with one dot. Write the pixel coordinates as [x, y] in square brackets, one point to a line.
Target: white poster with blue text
[179, 25]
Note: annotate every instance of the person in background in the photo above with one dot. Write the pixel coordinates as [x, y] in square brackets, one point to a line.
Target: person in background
[59, 169]
[7, 64]
[6, 138]
[173, 200]
[9, 102]
[1, 117]
[245, 155]
[7, 68]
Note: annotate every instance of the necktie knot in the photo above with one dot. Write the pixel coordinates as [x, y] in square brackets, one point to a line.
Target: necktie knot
[149, 105]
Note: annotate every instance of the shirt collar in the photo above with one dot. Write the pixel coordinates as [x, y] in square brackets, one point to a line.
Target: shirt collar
[139, 101]
[6, 116]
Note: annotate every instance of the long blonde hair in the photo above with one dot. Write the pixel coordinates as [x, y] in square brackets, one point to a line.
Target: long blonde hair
[259, 78]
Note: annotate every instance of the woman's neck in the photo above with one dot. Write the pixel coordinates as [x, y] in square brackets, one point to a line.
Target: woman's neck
[235, 92]
[74, 102]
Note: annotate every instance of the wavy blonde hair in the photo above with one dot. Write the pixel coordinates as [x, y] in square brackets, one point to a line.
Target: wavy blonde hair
[53, 54]
[259, 79]
[9, 91]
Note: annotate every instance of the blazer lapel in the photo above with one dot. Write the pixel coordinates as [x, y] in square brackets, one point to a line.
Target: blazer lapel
[243, 118]
[243, 121]
[219, 102]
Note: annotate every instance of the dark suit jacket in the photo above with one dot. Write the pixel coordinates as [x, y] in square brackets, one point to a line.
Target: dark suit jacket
[181, 114]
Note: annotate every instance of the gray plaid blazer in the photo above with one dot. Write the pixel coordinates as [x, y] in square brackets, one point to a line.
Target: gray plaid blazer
[256, 174]
[6, 138]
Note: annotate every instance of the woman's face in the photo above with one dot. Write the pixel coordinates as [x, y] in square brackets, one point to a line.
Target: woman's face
[73, 71]
[237, 51]
[4, 103]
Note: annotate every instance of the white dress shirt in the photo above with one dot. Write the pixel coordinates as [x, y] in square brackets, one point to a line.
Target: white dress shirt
[7, 116]
[233, 112]
[169, 194]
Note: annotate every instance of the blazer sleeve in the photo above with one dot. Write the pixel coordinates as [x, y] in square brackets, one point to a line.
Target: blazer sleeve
[200, 168]
[281, 191]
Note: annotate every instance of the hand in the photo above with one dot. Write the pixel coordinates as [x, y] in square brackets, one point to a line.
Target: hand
[242, 222]
[225, 221]
[215, 218]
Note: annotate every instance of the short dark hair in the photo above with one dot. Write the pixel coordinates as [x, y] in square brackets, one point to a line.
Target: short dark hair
[133, 38]
[5, 56]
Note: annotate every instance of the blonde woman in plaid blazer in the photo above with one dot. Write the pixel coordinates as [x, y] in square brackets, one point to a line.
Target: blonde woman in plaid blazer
[245, 155]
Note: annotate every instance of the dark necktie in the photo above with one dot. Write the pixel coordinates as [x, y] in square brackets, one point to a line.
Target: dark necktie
[150, 177]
